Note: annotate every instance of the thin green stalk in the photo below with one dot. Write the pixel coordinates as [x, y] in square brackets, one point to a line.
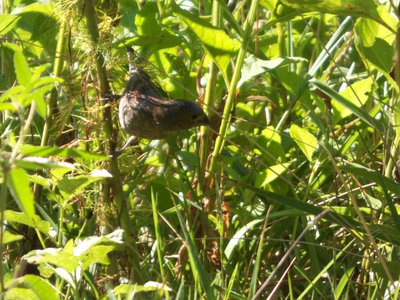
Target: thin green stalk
[209, 98]
[226, 116]
[115, 183]
[159, 242]
[57, 69]
[3, 201]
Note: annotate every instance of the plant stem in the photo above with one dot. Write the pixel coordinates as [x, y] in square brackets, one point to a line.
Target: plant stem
[209, 98]
[3, 201]
[57, 69]
[114, 184]
[226, 117]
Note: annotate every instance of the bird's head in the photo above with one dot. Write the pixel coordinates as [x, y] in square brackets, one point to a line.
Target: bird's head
[184, 114]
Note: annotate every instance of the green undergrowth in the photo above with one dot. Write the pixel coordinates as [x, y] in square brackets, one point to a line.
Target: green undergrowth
[292, 192]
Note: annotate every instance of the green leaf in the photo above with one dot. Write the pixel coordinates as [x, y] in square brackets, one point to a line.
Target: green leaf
[268, 175]
[41, 287]
[305, 140]
[87, 252]
[238, 236]
[362, 114]
[35, 163]
[7, 23]
[9, 237]
[29, 150]
[70, 187]
[254, 66]
[18, 183]
[375, 44]
[357, 93]
[160, 40]
[35, 222]
[125, 289]
[358, 8]
[7, 106]
[22, 71]
[215, 41]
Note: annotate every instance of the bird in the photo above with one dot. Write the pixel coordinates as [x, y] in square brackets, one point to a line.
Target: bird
[145, 113]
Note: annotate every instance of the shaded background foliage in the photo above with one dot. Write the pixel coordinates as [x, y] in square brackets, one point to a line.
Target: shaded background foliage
[292, 192]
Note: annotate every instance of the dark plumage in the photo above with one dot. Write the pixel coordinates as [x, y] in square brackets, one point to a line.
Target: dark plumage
[145, 113]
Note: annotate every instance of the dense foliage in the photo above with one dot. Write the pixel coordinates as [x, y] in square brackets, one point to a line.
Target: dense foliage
[291, 192]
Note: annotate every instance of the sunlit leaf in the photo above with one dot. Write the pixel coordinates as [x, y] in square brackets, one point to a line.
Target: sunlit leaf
[18, 183]
[357, 93]
[7, 23]
[254, 66]
[270, 174]
[359, 8]
[30, 150]
[361, 113]
[305, 140]
[214, 40]
[9, 237]
[22, 71]
[36, 287]
[375, 44]
[35, 222]
[34, 163]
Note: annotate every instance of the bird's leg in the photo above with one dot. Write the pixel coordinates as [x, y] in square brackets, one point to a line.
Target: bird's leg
[111, 98]
[131, 139]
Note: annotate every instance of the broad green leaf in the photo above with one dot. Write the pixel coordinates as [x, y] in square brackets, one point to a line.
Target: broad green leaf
[29, 150]
[268, 175]
[214, 40]
[89, 251]
[157, 41]
[62, 258]
[41, 287]
[305, 140]
[132, 289]
[70, 187]
[12, 92]
[238, 236]
[254, 66]
[22, 71]
[7, 23]
[38, 24]
[35, 222]
[9, 237]
[7, 106]
[361, 113]
[18, 183]
[35, 163]
[359, 8]
[374, 43]
[146, 21]
[357, 93]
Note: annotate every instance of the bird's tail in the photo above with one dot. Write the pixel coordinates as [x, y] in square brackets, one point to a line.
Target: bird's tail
[139, 80]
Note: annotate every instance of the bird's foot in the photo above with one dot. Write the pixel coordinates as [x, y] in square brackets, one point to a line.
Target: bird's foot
[111, 98]
[132, 139]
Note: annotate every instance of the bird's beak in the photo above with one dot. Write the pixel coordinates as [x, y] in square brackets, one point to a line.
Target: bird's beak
[204, 121]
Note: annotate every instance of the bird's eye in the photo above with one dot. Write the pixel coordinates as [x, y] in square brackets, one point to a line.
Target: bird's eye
[194, 117]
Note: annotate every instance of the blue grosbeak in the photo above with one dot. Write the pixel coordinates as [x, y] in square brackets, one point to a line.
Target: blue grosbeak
[145, 113]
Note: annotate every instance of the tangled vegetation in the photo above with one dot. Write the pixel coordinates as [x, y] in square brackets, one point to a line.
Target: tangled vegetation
[292, 192]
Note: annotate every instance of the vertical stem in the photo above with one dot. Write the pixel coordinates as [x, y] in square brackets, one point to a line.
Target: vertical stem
[226, 117]
[57, 69]
[209, 98]
[114, 184]
[3, 200]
